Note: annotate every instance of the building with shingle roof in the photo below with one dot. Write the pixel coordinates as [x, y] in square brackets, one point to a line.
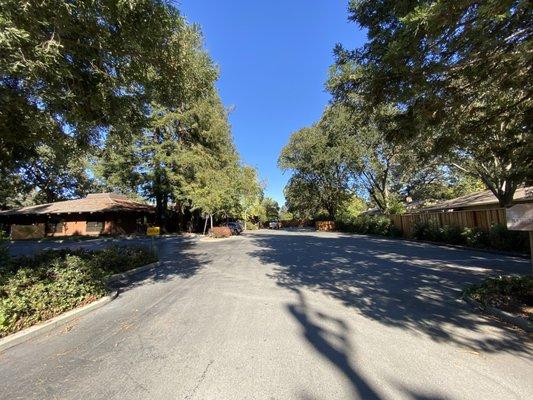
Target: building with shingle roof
[479, 201]
[96, 214]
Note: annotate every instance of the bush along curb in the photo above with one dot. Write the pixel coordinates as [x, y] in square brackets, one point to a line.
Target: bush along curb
[502, 315]
[47, 326]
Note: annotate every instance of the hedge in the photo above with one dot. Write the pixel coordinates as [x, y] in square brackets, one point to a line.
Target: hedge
[369, 225]
[34, 289]
[498, 237]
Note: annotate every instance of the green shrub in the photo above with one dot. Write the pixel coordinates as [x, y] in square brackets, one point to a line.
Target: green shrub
[502, 291]
[117, 259]
[4, 252]
[501, 238]
[473, 237]
[519, 286]
[451, 234]
[32, 295]
[34, 289]
[369, 225]
[250, 226]
[427, 230]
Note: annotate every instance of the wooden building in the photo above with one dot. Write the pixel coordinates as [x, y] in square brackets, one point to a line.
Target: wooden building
[97, 214]
[479, 210]
[479, 201]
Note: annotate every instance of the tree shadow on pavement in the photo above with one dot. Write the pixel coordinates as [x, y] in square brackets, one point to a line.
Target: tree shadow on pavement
[333, 344]
[403, 284]
[177, 260]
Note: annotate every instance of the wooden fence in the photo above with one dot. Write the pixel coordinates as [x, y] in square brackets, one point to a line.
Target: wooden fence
[481, 219]
[296, 223]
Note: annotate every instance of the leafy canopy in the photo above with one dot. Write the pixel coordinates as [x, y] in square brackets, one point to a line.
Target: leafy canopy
[458, 72]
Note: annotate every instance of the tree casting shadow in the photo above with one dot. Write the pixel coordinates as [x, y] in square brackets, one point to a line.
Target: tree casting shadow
[177, 259]
[318, 337]
[408, 285]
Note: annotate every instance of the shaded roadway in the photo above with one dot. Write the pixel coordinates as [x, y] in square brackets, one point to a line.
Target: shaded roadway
[286, 315]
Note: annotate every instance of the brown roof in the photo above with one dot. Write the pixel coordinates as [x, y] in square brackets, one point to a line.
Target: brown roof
[93, 203]
[480, 199]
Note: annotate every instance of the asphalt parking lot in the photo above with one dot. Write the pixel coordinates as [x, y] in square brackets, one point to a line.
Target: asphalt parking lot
[285, 315]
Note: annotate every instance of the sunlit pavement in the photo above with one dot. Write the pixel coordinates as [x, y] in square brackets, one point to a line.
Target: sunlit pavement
[286, 315]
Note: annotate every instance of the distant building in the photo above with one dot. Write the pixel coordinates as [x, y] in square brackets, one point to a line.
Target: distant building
[97, 214]
[478, 201]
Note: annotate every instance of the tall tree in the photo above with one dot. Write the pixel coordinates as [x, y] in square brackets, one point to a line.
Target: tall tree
[271, 207]
[251, 193]
[186, 159]
[377, 160]
[459, 71]
[319, 158]
[79, 70]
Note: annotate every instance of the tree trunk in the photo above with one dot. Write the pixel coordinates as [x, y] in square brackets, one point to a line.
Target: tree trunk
[331, 212]
[205, 224]
[505, 196]
[503, 190]
[158, 208]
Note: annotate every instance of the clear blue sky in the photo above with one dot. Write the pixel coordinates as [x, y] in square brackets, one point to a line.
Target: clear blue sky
[273, 58]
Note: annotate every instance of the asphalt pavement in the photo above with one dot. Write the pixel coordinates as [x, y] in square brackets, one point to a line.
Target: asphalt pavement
[286, 315]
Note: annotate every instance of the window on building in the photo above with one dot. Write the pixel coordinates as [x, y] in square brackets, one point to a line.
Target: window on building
[94, 227]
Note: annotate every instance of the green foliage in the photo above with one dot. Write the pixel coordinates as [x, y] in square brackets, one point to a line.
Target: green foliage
[369, 225]
[271, 207]
[32, 295]
[503, 239]
[4, 250]
[252, 226]
[350, 151]
[187, 158]
[458, 73]
[250, 191]
[503, 291]
[474, 238]
[319, 158]
[131, 74]
[438, 183]
[77, 67]
[34, 289]
[285, 214]
[431, 231]
[499, 237]
[351, 209]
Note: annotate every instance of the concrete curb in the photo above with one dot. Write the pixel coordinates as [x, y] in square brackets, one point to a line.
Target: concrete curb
[47, 326]
[502, 315]
[118, 277]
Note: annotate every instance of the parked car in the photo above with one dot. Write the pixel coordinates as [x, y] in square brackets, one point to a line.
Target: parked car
[236, 228]
[274, 225]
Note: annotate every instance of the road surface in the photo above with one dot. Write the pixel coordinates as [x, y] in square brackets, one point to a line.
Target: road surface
[286, 315]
